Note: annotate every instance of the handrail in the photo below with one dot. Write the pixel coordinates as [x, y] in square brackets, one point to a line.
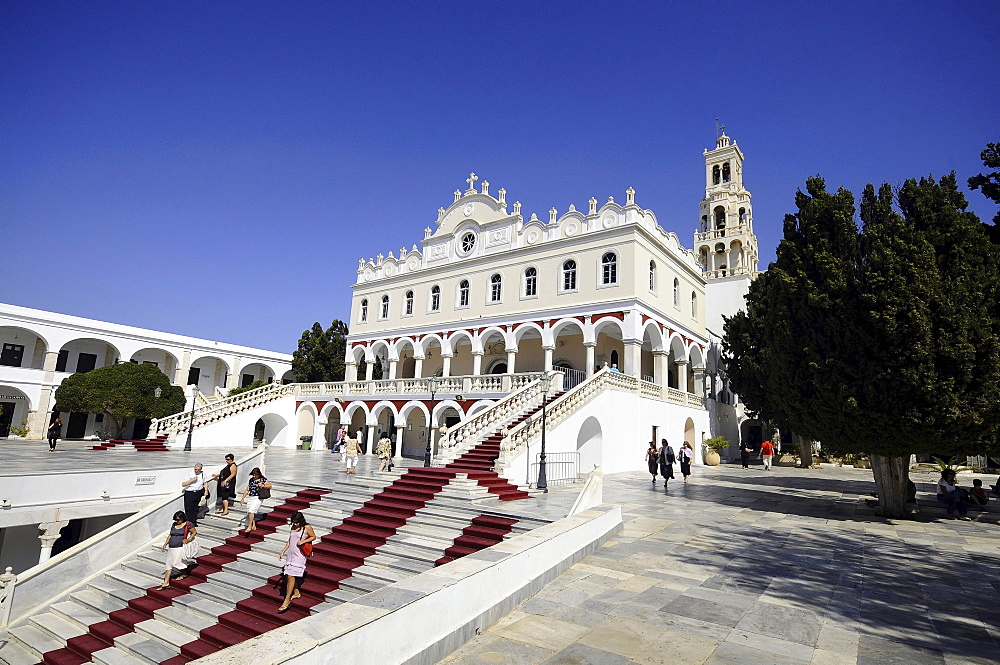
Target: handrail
[179, 422]
[40, 585]
[493, 417]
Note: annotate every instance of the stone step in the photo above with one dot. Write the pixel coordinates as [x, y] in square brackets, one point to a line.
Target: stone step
[80, 615]
[168, 634]
[203, 607]
[184, 618]
[57, 627]
[145, 649]
[12, 652]
[98, 601]
[115, 656]
[404, 564]
[36, 640]
[132, 581]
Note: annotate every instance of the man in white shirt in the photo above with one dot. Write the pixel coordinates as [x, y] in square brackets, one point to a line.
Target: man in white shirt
[194, 488]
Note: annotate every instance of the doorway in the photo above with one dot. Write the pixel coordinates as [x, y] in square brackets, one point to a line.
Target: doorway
[12, 355]
[6, 417]
[76, 428]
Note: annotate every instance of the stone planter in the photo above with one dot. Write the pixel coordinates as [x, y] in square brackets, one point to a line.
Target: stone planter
[712, 458]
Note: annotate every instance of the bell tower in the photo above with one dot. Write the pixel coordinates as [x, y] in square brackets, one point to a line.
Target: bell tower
[725, 243]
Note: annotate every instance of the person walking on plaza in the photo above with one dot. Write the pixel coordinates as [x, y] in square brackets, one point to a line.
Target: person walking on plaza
[666, 460]
[352, 449]
[181, 533]
[949, 494]
[651, 459]
[298, 548]
[384, 451]
[226, 489]
[360, 438]
[194, 489]
[340, 440]
[258, 489]
[55, 429]
[746, 449]
[687, 455]
[766, 454]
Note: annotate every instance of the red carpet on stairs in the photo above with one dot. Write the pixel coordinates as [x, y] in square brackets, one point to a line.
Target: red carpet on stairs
[120, 622]
[485, 531]
[144, 445]
[335, 556]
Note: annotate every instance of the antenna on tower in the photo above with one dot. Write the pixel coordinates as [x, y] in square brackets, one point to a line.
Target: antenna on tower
[716, 129]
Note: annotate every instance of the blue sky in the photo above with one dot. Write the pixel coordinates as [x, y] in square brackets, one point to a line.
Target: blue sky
[217, 169]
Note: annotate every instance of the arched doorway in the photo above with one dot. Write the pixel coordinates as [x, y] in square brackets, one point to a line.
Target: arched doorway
[589, 442]
[271, 428]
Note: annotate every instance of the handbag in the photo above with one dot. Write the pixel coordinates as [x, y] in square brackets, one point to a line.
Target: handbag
[190, 549]
[263, 493]
[307, 549]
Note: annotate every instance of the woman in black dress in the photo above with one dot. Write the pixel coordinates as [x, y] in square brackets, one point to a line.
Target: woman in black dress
[651, 459]
[227, 484]
[666, 460]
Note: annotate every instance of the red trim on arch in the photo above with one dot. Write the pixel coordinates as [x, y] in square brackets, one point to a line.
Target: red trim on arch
[319, 404]
[297, 405]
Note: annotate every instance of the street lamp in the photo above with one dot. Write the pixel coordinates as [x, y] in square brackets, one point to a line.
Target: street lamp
[194, 403]
[432, 384]
[545, 382]
[156, 398]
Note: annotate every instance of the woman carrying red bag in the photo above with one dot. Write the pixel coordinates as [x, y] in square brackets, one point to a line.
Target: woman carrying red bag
[298, 547]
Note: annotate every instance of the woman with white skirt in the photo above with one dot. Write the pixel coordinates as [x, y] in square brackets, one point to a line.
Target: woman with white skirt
[257, 483]
[181, 533]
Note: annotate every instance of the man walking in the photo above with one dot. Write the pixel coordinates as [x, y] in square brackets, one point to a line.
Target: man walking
[194, 489]
[766, 453]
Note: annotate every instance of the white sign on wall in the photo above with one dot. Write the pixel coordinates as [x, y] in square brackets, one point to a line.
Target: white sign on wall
[145, 480]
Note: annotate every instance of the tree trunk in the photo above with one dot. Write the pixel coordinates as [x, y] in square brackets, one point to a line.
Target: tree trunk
[806, 453]
[891, 476]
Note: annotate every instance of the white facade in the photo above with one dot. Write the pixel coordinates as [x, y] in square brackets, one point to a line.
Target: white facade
[40, 349]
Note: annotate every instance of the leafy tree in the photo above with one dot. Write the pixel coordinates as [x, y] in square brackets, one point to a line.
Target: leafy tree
[884, 339]
[320, 355]
[989, 183]
[247, 388]
[121, 392]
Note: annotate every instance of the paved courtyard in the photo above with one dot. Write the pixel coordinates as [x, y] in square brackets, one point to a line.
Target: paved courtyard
[785, 567]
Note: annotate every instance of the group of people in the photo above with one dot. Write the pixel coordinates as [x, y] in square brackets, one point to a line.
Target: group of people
[766, 454]
[958, 499]
[351, 448]
[661, 460]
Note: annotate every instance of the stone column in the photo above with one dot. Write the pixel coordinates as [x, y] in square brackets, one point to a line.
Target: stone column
[233, 380]
[446, 364]
[477, 363]
[180, 376]
[633, 358]
[392, 368]
[350, 372]
[398, 457]
[418, 367]
[591, 348]
[511, 359]
[682, 377]
[370, 370]
[661, 367]
[48, 533]
[548, 357]
[319, 435]
[370, 437]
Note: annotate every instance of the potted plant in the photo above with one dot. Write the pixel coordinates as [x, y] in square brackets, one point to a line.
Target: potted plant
[19, 432]
[714, 446]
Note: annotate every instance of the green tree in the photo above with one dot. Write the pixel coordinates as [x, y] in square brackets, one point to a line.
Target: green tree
[122, 392]
[989, 183]
[320, 355]
[883, 339]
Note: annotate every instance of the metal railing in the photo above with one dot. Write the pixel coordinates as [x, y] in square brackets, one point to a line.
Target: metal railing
[560, 468]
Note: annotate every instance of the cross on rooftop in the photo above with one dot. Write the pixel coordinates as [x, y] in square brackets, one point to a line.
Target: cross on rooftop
[472, 181]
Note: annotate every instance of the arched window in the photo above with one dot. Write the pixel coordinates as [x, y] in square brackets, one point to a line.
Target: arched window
[496, 281]
[408, 303]
[694, 304]
[385, 307]
[677, 293]
[723, 269]
[652, 275]
[463, 293]
[435, 298]
[531, 282]
[743, 215]
[715, 174]
[609, 268]
[725, 172]
[569, 275]
[364, 310]
[614, 357]
[720, 218]
[704, 223]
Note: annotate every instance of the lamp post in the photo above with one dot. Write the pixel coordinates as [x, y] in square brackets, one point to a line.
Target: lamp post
[543, 483]
[432, 384]
[156, 398]
[194, 403]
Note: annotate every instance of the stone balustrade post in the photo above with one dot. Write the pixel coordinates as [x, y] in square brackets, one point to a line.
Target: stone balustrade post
[48, 533]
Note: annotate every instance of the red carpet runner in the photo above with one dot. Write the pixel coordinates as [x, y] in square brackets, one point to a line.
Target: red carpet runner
[120, 622]
[485, 531]
[144, 445]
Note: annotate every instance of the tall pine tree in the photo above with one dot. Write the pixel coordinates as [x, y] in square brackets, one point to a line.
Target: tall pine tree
[320, 353]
